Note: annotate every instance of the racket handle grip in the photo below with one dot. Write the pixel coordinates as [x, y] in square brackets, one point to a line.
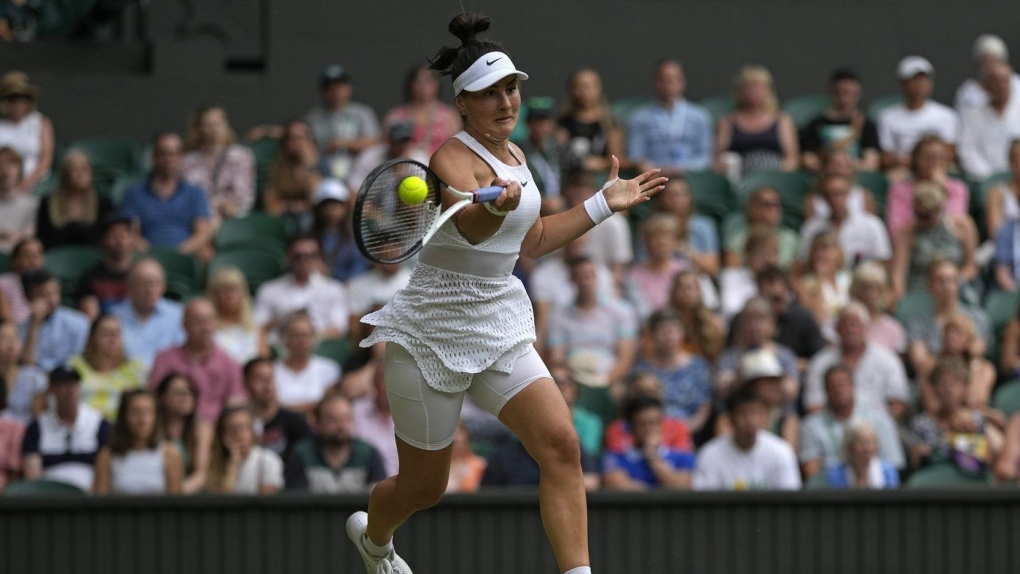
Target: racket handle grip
[487, 194]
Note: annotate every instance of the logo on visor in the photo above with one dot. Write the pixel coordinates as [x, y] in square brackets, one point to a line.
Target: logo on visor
[489, 63]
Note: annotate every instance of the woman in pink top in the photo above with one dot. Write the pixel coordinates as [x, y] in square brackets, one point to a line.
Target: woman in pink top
[928, 164]
[221, 167]
[651, 280]
[434, 121]
[871, 287]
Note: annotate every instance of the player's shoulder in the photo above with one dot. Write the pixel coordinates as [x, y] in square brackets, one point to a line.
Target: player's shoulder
[452, 150]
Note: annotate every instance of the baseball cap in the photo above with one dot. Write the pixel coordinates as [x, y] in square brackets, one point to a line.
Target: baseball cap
[334, 73]
[64, 374]
[487, 70]
[760, 364]
[540, 107]
[990, 45]
[400, 131]
[912, 66]
[332, 188]
[584, 368]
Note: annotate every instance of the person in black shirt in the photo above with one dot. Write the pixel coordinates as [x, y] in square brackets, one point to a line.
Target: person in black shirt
[843, 125]
[796, 328]
[281, 428]
[106, 284]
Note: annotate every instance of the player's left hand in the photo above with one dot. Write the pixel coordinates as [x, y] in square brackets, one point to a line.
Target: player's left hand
[627, 193]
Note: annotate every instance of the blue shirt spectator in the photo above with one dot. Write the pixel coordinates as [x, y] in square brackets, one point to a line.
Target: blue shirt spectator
[678, 136]
[1007, 255]
[52, 334]
[144, 337]
[881, 474]
[635, 464]
[165, 221]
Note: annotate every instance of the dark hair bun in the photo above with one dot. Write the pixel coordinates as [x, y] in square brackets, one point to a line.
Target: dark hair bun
[466, 26]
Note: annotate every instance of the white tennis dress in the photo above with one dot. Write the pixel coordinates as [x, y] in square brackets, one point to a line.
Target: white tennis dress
[463, 311]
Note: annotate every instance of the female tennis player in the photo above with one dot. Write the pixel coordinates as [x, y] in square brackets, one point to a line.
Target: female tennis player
[464, 323]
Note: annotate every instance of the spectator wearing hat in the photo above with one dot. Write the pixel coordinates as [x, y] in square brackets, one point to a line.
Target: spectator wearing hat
[399, 143]
[304, 288]
[434, 121]
[986, 131]
[749, 457]
[216, 376]
[74, 213]
[373, 289]
[106, 284]
[17, 209]
[901, 126]
[761, 368]
[672, 134]
[169, 211]
[341, 128]
[53, 333]
[62, 443]
[219, 166]
[649, 463]
[24, 129]
[843, 125]
[822, 433]
[546, 157]
[753, 330]
[988, 49]
[331, 226]
[150, 323]
[880, 381]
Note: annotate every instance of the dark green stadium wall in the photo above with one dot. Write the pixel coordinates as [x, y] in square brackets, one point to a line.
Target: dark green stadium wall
[907, 532]
[260, 58]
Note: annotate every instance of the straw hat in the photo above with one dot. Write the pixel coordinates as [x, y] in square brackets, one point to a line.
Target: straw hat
[17, 84]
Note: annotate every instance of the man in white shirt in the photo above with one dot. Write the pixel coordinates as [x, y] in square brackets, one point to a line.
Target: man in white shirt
[862, 236]
[988, 49]
[371, 290]
[902, 125]
[325, 299]
[987, 130]
[749, 458]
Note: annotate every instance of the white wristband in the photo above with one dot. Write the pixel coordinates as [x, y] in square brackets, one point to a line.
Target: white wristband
[597, 207]
[491, 208]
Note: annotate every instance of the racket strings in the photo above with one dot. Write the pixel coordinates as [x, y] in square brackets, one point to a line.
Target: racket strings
[391, 229]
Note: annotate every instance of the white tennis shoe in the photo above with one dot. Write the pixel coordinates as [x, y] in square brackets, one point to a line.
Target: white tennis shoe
[389, 564]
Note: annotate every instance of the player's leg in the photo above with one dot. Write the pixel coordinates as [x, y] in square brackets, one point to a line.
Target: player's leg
[425, 421]
[530, 404]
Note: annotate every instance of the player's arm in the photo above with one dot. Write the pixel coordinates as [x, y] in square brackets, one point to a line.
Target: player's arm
[459, 168]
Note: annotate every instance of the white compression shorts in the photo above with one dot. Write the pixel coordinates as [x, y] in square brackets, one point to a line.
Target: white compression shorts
[426, 418]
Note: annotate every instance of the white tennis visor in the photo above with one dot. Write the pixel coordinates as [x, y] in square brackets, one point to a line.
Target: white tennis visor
[487, 70]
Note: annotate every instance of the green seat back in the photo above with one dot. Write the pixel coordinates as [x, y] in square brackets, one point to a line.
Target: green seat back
[1007, 398]
[246, 232]
[718, 106]
[803, 109]
[712, 193]
[337, 349]
[624, 108]
[1000, 306]
[5, 262]
[264, 151]
[597, 400]
[878, 185]
[70, 263]
[943, 475]
[42, 488]
[818, 481]
[915, 304]
[181, 268]
[258, 265]
[111, 153]
[881, 103]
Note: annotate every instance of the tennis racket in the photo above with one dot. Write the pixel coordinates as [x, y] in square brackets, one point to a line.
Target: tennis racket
[388, 230]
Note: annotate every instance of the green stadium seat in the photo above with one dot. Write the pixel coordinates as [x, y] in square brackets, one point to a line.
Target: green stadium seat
[1007, 398]
[5, 262]
[943, 475]
[258, 265]
[255, 229]
[70, 263]
[597, 400]
[987, 184]
[878, 185]
[803, 109]
[264, 151]
[914, 304]
[178, 290]
[117, 189]
[881, 103]
[1001, 306]
[339, 350]
[181, 268]
[733, 224]
[792, 187]
[111, 153]
[712, 193]
[624, 108]
[818, 481]
[718, 106]
[42, 488]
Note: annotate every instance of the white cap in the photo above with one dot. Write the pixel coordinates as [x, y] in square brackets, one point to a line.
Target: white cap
[912, 66]
[990, 45]
[760, 364]
[487, 70]
[332, 188]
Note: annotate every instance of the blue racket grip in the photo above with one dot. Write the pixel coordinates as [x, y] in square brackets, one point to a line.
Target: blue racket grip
[487, 194]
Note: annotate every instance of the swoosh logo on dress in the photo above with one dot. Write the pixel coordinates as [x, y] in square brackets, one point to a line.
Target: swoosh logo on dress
[524, 184]
[488, 63]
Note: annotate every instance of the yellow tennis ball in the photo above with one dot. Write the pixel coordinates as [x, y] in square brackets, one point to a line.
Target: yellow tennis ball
[413, 190]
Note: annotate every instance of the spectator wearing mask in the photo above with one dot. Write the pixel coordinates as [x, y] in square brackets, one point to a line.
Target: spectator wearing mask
[169, 211]
[136, 460]
[399, 143]
[24, 129]
[149, 322]
[17, 209]
[106, 371]
[862, 467]
[219, 166]
[672, 134]
[334, 461]
[26, 256]
[649, 463]
[74, 213]
[62, 443]
[53, 333]
[843, 125]
[106, 284]
[279, 428]
[304, 287]
[302, 378]
[822, 433]
[986, 131]
[25, 384]
[177, 399]
[216, 375]
[758, 134]
[238, 465]
[342, 128]
[433, 121]
[749, 458]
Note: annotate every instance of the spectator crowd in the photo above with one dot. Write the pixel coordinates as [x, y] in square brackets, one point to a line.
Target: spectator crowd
[823, 296]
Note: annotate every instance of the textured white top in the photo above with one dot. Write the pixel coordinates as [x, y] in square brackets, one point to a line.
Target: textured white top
[25, 138]
[457, 324]
[139, 472]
